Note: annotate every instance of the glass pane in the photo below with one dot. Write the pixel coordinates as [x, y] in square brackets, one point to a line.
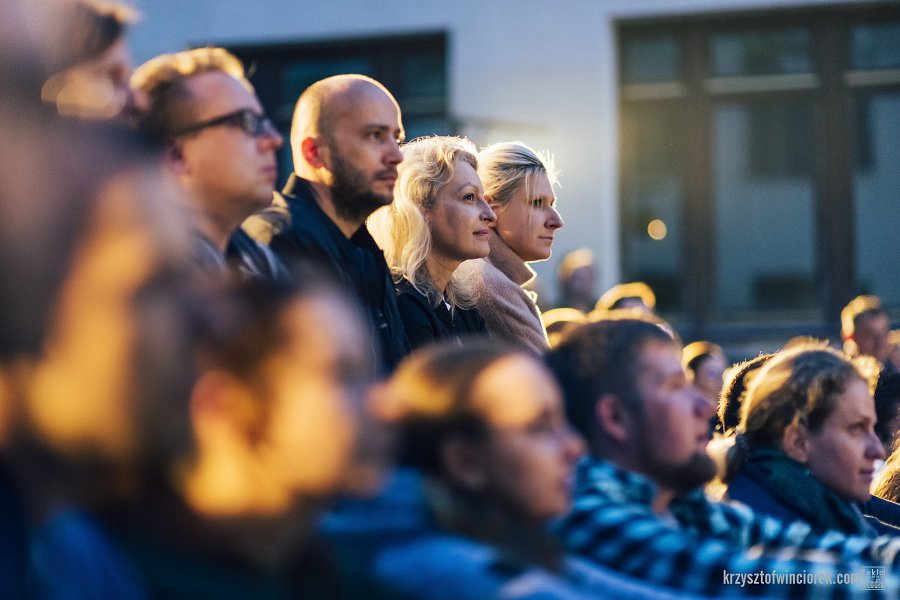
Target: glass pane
[770, 52]
[652, 202]
[298, 75]
[419, 126]
[876, 46]
[877, 191]
[764, 213]
[422, 76]
[652, 59]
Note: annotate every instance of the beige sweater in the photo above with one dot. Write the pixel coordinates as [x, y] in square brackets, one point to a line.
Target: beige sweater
[510, 312]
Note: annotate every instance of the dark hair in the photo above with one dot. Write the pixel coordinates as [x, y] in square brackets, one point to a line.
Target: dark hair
[734, 389]
[887, 406]
[861, 307]
[433, 386]
[601, 358]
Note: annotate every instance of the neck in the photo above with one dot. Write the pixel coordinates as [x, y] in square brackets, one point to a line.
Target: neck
[440, 270]
[216, 232]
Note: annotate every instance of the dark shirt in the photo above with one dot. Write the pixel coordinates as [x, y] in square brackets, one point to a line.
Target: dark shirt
[426, 323]
[12, 539]
[244, 257]
[357, 264]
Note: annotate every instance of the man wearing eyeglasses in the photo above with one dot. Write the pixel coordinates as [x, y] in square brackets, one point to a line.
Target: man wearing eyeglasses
[220, 147]
[345, 139]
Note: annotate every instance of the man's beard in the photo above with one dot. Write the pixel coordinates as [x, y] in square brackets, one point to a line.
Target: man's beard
[685, 476]
[351, 190]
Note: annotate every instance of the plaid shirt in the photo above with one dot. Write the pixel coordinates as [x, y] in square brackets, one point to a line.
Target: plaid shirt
[704, 545]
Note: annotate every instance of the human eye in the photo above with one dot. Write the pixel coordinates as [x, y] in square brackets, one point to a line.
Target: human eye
[537, 203]
[469, 197]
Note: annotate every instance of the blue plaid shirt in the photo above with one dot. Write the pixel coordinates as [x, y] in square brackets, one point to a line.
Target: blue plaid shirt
[710, 548]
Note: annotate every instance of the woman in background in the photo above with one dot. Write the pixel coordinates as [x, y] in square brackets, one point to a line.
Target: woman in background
[518, 184]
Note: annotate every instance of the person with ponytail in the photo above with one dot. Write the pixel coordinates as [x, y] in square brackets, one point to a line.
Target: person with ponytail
[806, 445]
[518, 184]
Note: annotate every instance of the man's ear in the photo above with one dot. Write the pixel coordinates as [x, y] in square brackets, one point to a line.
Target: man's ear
[314, 152]
[463, 464]
[612, 418]
[795, 442]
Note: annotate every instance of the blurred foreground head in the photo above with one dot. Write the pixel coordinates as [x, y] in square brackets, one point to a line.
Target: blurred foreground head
[281, 409]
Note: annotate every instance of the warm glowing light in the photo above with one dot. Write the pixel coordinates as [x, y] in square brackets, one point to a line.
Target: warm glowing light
[656, 229]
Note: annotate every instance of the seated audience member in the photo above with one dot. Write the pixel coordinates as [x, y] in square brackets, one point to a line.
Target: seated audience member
[636, 295]
[865, 326]
[106, 396]
[576, 277]
[887, 409]
[638, 499]
[806, 443]
[345, 142]
[484, 425]
[91, 64]
[220, 148]
[518, 184]
[734, 389]
[282, 375]
[704, 363]
[439, 218]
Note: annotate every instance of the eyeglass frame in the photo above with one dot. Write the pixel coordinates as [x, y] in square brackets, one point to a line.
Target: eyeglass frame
[252, 123]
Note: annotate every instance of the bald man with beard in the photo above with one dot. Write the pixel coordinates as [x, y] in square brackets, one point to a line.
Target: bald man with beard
[345, 139]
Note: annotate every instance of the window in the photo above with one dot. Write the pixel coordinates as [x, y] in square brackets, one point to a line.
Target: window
[413, 68]
[768, 146]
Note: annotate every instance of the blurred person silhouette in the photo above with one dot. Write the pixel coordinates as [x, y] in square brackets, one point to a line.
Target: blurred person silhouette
[483, 425]
[638, 494]
[345, 140]
[576, 279]
[518, 185]
[278, 412]
[219, 146]
[89, 61]
[865, 326]
[887, 410]
[101, 400]
[438, 219]
[559, 321]
[704, 363]
[634, 295]
[806, 444]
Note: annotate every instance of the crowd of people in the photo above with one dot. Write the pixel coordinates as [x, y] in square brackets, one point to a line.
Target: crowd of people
[213, 389]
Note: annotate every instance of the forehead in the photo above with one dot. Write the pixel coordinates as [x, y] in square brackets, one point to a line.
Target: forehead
[216, 93]
[659, 359]
[463, 175]
[874, 321]
[856, 401]
[515, 390]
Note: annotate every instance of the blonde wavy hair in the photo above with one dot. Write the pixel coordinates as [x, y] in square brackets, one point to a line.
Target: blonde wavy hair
[400, 228]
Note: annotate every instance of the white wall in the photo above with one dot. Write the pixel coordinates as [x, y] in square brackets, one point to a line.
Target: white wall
[537, 70]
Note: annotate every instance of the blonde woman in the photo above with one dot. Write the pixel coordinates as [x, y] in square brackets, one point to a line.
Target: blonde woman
[518, 185]
[438, 219]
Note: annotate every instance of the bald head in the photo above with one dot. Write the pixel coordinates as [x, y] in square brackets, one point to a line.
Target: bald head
[325, 102]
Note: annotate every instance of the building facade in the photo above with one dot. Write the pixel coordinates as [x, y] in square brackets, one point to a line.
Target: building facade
[741, 156]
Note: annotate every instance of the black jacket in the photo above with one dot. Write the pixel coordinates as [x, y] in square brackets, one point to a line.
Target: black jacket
[425, 322]
[356, 263]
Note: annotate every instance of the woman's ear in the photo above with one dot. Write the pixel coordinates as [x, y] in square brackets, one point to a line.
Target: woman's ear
[462, 461]
[795, 442]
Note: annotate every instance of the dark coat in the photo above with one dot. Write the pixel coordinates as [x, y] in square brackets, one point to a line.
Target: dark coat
[357, 264]
[426, 323]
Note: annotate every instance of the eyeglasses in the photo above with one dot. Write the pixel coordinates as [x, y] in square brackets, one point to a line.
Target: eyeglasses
[250, 122]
